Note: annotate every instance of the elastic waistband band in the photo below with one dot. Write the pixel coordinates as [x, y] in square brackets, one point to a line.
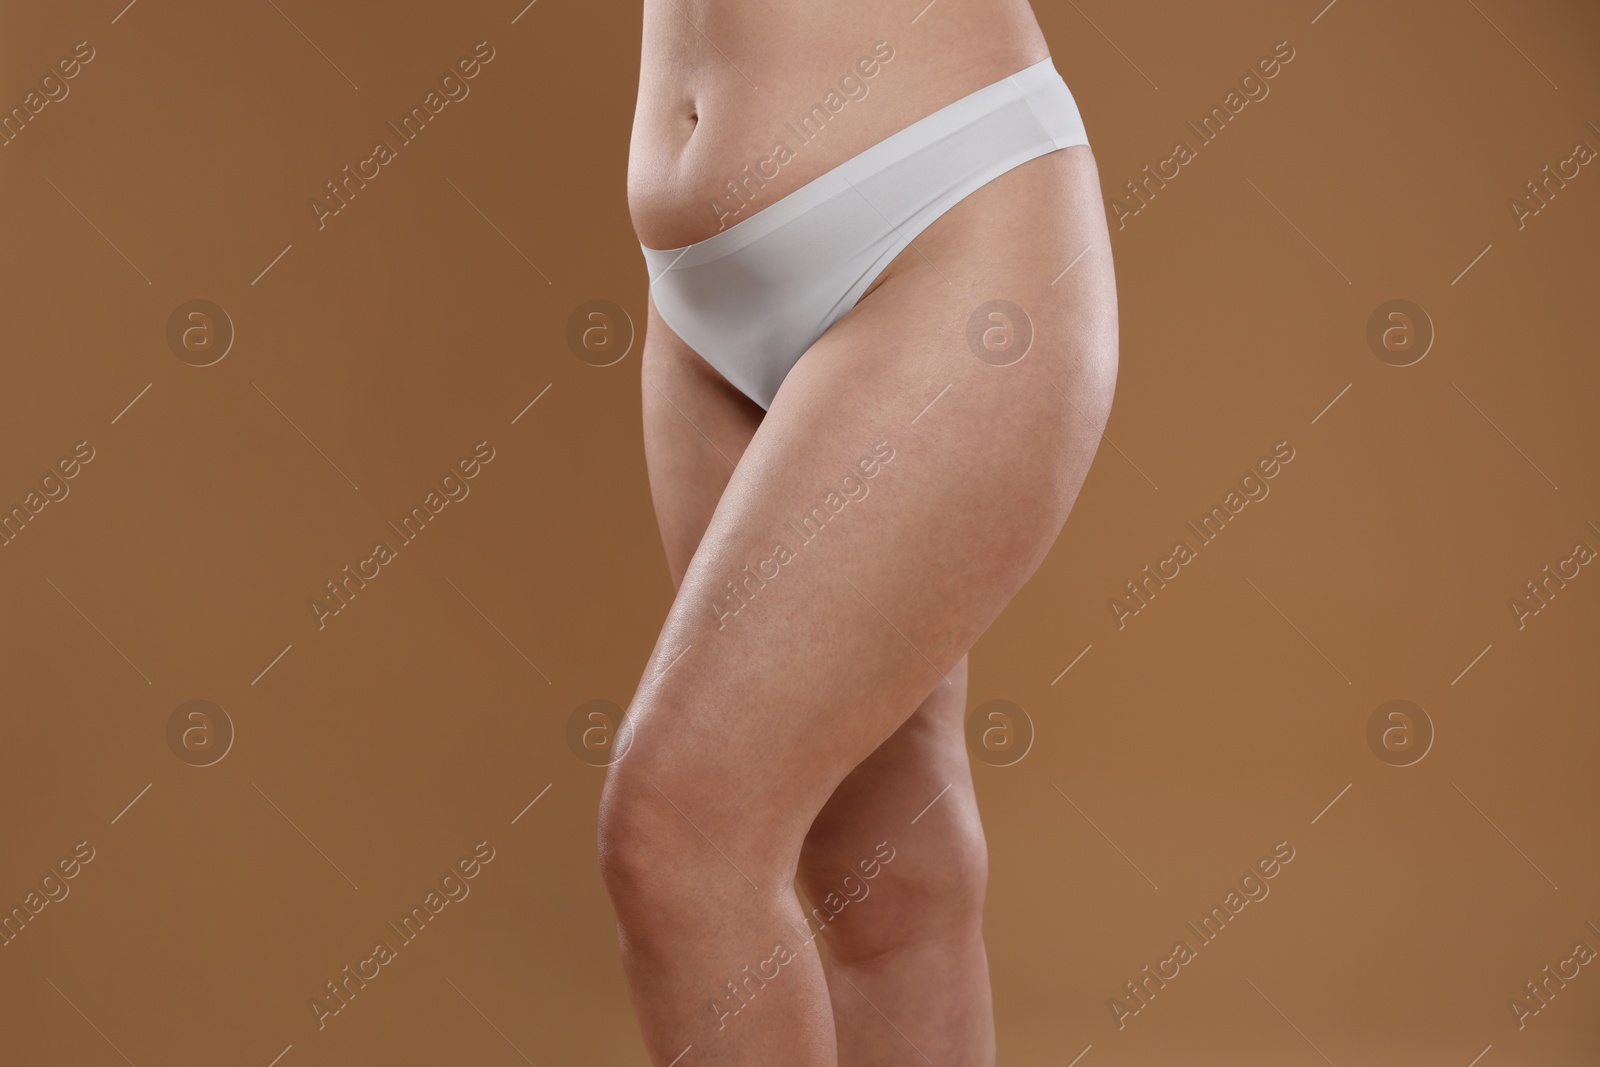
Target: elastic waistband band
[1040, 85]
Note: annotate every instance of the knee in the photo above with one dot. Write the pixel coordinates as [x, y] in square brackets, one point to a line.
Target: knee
[672, 843]
[633, 846]
[930, 890]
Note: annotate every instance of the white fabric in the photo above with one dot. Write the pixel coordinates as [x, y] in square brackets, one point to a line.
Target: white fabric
[752, 298]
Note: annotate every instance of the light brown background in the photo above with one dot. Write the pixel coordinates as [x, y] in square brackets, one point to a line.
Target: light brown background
[412, 726]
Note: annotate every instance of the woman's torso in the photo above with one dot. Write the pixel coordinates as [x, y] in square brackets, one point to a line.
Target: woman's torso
[743, 101]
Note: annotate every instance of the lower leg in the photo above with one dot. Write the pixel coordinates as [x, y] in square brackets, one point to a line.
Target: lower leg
[921, 1002]
[895, 868]
[715, 949]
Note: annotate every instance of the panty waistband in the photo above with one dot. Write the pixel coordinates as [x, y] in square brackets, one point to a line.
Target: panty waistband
[1040, 85]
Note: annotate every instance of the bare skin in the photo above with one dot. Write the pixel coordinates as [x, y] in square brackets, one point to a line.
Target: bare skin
[804, 737]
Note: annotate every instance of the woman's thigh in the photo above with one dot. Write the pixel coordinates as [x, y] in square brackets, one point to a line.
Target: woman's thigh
[897, 495]
[697, 426]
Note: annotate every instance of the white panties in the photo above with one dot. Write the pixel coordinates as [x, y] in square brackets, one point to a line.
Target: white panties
[752, 298]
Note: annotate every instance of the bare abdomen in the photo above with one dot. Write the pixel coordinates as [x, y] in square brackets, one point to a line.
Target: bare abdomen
[749, 102]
